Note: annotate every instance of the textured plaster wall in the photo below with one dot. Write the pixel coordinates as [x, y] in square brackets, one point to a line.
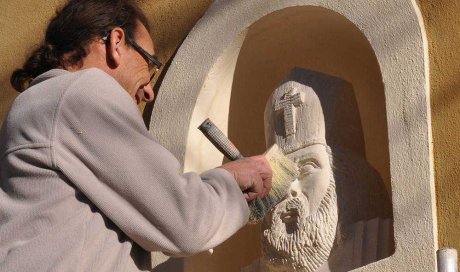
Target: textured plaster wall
[22, 26]
[396, 33]
[19, 36]
[442, 22]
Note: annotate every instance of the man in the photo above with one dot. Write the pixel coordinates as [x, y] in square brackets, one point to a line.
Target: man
[83, 185]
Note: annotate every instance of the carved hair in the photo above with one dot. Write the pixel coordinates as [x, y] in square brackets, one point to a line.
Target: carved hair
[71, 31]
[310, 245]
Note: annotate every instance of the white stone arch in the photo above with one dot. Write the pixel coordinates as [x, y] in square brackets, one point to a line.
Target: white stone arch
[201, 74]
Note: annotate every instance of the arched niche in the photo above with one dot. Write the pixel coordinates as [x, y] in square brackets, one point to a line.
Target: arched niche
[379, 47]
[313, 38]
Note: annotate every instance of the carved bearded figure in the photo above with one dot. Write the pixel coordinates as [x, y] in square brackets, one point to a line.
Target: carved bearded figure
[300, 231]
[335, 216]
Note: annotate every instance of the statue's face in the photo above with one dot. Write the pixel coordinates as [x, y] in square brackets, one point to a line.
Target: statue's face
[315, 174]
[299, 228]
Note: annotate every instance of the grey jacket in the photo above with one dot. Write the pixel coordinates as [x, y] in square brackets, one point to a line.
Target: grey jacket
[84, 187]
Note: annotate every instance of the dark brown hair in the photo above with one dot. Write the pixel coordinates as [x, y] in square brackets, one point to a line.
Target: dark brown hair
[71, 31]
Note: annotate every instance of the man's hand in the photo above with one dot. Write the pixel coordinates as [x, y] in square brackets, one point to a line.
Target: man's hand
[253, 175]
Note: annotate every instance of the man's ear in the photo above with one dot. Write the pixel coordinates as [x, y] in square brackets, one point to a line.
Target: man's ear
[116, 46]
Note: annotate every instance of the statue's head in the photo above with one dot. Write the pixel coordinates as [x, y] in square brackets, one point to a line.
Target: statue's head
[300, 230]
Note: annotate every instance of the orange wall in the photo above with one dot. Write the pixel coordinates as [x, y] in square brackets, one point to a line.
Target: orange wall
[22, 25]
[442, 22]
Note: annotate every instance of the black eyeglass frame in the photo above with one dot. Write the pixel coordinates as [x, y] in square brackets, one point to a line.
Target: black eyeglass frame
[141, 51]
[146, 54]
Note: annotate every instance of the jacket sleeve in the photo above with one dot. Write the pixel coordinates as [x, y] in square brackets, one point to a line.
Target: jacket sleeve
[101, 144]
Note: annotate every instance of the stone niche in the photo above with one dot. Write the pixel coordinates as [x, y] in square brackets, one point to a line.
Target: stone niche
[241, 51]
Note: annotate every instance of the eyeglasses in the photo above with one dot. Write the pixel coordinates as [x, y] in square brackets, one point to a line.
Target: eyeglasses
[153, 62]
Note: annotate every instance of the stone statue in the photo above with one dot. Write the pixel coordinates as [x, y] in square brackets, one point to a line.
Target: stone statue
[300, 232]
[323, 223]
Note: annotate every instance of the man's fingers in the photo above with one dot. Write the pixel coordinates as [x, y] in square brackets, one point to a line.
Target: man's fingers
[267, 184]
[249, 196]
[259, 187]
[266, 174]
[253, 175]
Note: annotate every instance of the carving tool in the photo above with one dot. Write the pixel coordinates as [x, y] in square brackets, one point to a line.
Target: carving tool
[284, 170]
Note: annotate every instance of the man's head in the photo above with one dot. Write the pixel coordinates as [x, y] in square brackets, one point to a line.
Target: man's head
[105, 34]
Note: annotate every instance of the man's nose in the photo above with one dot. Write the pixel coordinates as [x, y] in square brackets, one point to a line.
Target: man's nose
[295, 189]
[147, 94]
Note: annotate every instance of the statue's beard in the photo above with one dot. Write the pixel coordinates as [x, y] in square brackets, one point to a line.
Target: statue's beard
[305, 241]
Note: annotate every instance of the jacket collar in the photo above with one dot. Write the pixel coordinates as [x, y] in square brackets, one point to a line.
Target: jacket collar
[47, 75]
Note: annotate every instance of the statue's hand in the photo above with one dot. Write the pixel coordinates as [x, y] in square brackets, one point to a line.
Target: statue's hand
[253, 175]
